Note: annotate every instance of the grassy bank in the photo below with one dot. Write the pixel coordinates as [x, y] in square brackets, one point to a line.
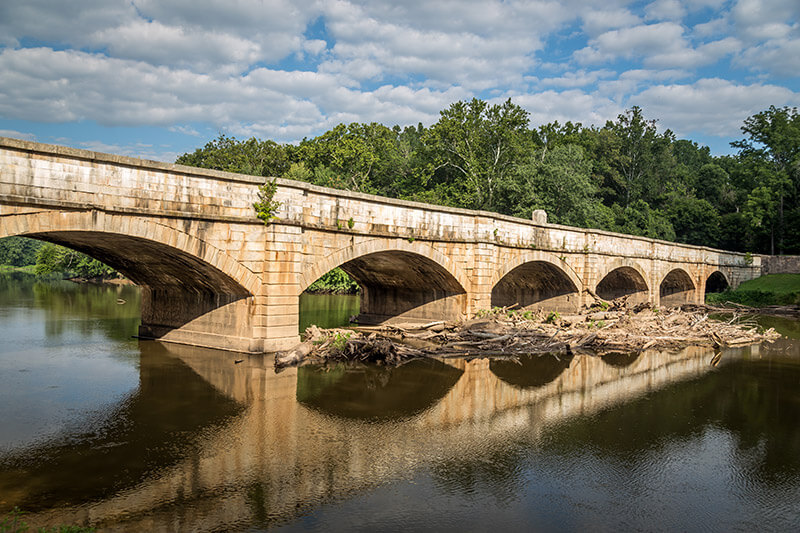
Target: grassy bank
[773, 289]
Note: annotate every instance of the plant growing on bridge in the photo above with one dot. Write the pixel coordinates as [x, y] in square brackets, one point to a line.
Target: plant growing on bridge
[266, 207]
[351, 223]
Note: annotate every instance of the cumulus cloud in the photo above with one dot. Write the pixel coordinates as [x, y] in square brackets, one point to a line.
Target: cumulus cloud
[713, 106]
[18, 135]
[665, 10]
[571, 105]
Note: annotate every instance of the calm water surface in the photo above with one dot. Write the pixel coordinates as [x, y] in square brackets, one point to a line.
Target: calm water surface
[99, 428]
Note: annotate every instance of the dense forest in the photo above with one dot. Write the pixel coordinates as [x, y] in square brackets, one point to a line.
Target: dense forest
[625, 176]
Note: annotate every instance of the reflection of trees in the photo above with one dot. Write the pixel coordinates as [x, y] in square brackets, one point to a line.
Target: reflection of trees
[151, 429]
[757, 403]
[327, 310]
[64, 301]
[375, 392]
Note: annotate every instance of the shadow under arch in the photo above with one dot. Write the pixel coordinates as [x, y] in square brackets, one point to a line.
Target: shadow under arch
[532, 371]
[676, 288]
[536, 281]
[716, 282]
[405, 281]
[184, 279]
[371, 392]
[621, 281]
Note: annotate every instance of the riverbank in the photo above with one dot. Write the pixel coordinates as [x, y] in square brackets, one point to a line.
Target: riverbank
[503, 332]
[762, 292]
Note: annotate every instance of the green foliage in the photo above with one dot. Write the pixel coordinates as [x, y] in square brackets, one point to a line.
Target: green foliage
[475, 147]
[51, 259]
[266, 207]
[19, 251]
[335, 282]
[553, 317]
[340, 341]
[350, 223]
[252, 156]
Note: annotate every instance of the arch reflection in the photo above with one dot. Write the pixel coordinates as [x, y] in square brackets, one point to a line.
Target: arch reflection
[620, 360]
[375, 392]
[531, 371]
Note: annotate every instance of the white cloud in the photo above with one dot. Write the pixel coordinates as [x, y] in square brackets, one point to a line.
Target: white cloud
[579, 78]
[596, 22]
[572, 105]
[711, 106]
[18, 135]
[665, 10]
[780, 56]
[52, 86]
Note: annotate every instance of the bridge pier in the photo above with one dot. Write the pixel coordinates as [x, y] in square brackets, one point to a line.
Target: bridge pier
[224, 321]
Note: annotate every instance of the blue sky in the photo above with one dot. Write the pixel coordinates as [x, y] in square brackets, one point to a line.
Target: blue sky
[157, 78]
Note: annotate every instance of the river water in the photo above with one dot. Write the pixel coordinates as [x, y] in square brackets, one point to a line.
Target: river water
[98, 428]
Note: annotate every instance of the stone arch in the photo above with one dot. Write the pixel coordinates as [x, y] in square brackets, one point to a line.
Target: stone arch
[192, 292]
[537, 279]
[676, 288]
[399, 279]
[716, 282]
[340, 257]
[109, 237]
[623, 277]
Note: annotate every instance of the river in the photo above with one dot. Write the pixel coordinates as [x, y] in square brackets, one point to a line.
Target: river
[98, 428]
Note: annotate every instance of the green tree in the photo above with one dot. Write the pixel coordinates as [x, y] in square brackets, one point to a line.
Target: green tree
[644, 159]
[353, 155]
[19, 251]
[252, 156]
[52, 258]
[694, 220]
[477, 146]
[773, 138]
[558, 182]
[640, 219]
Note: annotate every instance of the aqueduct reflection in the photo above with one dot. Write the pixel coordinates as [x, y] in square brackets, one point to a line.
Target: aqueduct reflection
[304, 428]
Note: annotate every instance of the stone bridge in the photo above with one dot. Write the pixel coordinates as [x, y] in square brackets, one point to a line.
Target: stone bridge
[214, 275]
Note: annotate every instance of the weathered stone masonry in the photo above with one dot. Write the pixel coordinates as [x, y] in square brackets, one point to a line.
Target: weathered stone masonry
[213, 275]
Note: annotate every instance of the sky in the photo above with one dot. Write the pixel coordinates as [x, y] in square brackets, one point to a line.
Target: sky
[157, 78]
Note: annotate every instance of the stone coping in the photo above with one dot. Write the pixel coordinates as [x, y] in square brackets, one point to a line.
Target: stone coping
[100, 157]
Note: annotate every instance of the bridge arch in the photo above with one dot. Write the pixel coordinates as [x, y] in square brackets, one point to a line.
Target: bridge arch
[537, 279]
[716, 282]
[399, 280]
[192, 292]
[676, 288]
[623, 277]
[149, 253]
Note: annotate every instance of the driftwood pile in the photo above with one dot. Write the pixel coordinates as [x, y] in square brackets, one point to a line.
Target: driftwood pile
[604, 328]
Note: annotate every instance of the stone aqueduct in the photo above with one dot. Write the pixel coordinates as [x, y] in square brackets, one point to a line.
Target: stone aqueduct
[214, 275]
